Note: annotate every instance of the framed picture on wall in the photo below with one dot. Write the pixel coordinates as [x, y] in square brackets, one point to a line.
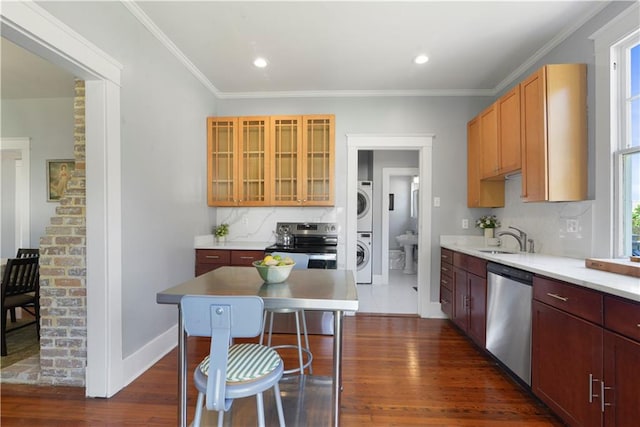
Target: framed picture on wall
[58, 176]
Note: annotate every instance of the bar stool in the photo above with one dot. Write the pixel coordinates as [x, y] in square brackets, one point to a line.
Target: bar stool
[302, 262]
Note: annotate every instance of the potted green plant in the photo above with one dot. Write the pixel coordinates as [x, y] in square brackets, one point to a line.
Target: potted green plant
[488, 223]
[220, 232]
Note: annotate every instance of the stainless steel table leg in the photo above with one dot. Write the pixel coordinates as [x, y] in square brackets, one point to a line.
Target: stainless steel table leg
[182, 372]
[337, 367]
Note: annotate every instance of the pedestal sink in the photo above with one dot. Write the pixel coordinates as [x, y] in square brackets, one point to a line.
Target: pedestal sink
[408, 242]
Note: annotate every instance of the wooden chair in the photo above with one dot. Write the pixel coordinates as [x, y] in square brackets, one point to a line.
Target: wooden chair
[231, 371]
[20, 288]
[27, 253]
[302, 262]
[24, 253]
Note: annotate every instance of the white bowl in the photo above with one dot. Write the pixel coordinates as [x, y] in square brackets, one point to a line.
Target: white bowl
[273, 273]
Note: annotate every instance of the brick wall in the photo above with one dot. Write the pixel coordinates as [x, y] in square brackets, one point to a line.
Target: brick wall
[63, 302]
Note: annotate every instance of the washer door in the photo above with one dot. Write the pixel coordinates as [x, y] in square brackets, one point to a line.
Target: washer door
[364, 204]
[362, 255]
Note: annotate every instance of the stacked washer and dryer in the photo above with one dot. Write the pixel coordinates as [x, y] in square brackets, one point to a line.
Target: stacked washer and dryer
[365, 232]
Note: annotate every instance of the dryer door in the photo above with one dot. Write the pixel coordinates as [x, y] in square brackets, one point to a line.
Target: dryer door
[364, 204]
[362, 255]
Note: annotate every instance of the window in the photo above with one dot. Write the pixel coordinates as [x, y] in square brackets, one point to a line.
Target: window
[626, 126]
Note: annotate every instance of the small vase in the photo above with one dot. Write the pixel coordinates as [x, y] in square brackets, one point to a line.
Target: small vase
[488, 233]
[221, 239]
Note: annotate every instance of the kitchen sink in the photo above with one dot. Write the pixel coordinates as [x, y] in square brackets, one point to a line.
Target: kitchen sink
[496, 251]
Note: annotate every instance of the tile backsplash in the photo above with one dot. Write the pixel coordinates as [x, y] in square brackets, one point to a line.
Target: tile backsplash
[561, 228]
[257, 224]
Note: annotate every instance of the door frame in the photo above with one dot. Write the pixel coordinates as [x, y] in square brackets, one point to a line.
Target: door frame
[387, 173]
[22, 225]
[423, 143]
[34, 29]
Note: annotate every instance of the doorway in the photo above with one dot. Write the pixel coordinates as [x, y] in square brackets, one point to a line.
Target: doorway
[422, 143]
[25, 24]
[15, 205]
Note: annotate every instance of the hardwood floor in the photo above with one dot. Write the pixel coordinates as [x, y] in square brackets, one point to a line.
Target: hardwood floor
[398, 371]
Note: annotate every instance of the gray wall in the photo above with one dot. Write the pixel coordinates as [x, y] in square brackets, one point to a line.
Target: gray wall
[49, 124]
[163, 137]
[546, 222]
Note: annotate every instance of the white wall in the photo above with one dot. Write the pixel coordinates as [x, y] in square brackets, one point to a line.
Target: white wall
[49, 124]
[163, 134]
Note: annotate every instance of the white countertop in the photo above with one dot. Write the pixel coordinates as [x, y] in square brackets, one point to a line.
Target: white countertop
[209, 242]
[570, 270]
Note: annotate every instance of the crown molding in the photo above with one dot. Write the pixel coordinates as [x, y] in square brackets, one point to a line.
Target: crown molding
[355, 93]
[166, 41]
[559, 38]
[512, 77]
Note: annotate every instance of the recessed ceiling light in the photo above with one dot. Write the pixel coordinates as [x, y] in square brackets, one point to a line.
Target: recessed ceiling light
[421, 59]
[260, 62]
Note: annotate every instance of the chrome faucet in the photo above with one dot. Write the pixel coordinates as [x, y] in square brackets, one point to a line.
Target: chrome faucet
[521, 237]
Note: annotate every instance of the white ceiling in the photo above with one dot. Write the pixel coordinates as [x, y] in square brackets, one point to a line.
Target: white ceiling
[342, 48]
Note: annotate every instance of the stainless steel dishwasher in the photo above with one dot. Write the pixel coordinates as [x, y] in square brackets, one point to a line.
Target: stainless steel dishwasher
[509, 295]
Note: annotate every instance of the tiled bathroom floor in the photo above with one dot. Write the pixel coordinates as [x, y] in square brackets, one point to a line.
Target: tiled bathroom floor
[397, 297]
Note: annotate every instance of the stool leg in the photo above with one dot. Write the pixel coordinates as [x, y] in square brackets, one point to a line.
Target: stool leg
[299, 343]
[260, 409]
[264, 325]
[306, 337]
[271, 314]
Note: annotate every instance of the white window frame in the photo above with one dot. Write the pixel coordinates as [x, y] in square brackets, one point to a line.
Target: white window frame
[607, 242]
[621, 117]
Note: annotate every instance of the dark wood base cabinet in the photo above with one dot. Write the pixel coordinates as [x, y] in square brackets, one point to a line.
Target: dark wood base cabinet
[210, 259]
[566, 353]
[463, 293]
[586, 354]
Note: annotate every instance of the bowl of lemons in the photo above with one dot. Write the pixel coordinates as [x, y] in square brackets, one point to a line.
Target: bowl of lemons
[274, 269]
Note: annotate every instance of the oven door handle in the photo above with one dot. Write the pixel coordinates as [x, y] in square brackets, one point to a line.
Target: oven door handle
[323, 257]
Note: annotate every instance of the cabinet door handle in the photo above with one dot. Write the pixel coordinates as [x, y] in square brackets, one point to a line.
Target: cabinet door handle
[556, 296]
[444, 269]
[212, 257]
[591, 381]
[444, 301]
[446, 282]
[247, 257]
[602, 402]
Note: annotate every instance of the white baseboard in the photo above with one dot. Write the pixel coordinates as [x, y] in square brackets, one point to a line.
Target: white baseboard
[433, 311]
[143, 359]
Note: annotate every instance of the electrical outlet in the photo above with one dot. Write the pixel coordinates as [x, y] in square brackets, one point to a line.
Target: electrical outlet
[465, 223]
[436, 202]
[245, 220]
[572, 226]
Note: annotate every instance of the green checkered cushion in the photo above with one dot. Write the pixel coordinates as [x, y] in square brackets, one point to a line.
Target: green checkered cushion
[247, 362]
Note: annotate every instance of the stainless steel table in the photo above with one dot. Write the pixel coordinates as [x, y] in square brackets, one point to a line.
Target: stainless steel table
[313, 289]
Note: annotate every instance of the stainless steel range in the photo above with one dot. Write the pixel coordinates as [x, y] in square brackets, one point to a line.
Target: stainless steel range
[319, 240]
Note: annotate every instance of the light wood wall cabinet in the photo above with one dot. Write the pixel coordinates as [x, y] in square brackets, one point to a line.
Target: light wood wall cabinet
[303, 160]
[480, 193]
[238, 167]
[271, 161]
[509, 141]
[500, 136]
[489, 142]
[554, 133]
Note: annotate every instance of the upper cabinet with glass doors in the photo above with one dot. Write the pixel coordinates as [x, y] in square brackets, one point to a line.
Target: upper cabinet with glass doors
[275, 161]
[302, 160]
[238, 165]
